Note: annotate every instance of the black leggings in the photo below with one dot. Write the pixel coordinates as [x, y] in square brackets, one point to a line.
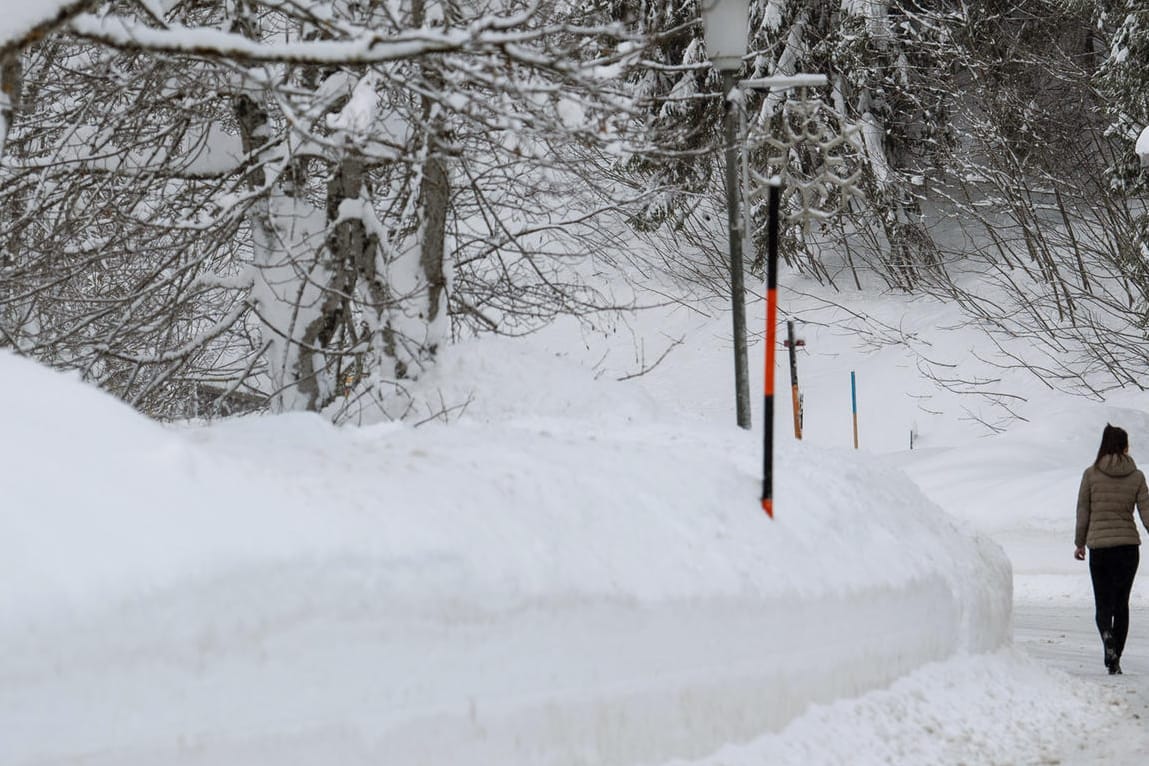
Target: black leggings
[1112, 570]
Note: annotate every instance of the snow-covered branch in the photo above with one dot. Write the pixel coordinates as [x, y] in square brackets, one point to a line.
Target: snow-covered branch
[24, 23]
[512, 34]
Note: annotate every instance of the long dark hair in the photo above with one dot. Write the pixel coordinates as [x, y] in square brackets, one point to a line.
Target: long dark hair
[1114, 441]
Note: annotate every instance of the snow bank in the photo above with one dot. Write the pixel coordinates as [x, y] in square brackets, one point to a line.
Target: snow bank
[1024, 714]
[546, 590]
[100, 503]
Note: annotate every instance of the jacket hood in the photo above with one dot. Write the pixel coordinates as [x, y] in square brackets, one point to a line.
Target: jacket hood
[1116, 465]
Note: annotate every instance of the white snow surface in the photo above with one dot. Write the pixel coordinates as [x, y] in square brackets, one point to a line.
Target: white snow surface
[574, 570]
[19, 17]
[1142, 147]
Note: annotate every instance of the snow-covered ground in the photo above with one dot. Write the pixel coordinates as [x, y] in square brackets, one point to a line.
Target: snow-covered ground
[572, 570]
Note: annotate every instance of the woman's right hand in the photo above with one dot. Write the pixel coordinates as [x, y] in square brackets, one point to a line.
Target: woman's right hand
[1079, 554]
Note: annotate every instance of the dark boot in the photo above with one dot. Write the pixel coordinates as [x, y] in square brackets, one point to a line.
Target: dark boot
[1111, 657]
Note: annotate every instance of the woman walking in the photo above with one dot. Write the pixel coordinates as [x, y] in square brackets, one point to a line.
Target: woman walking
[1110, 488]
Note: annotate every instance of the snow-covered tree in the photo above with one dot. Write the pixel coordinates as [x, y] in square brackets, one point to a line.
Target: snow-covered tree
[1123, 81]
[257, 200]
[890, 66]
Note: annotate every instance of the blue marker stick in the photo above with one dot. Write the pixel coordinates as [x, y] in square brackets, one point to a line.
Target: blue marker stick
[854, 405]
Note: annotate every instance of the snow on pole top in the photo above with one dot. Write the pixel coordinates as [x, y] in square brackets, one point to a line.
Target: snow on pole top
[782, 82]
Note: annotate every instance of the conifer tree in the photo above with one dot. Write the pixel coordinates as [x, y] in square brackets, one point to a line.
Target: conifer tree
[1123, 81]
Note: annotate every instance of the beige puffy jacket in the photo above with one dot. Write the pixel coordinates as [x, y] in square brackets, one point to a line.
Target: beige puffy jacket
[1105, 503]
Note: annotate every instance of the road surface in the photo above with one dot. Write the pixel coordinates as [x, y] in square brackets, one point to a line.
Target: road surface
[1066, 639]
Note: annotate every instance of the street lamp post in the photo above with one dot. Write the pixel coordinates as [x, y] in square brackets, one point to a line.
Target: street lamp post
[725, 24]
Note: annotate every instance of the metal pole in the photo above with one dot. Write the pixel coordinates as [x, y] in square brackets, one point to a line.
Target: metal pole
[737, 282]
[771, 322]
[792, 344]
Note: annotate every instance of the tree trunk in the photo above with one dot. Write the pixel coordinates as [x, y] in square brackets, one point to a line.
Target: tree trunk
[11, 79]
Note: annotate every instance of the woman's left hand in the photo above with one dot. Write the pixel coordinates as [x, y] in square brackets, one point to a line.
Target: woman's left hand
[1079, 554]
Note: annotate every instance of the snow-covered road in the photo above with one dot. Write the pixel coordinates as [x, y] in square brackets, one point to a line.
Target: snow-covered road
[1065, 639]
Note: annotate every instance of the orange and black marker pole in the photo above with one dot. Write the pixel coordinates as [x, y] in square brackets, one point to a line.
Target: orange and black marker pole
[771, 341]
